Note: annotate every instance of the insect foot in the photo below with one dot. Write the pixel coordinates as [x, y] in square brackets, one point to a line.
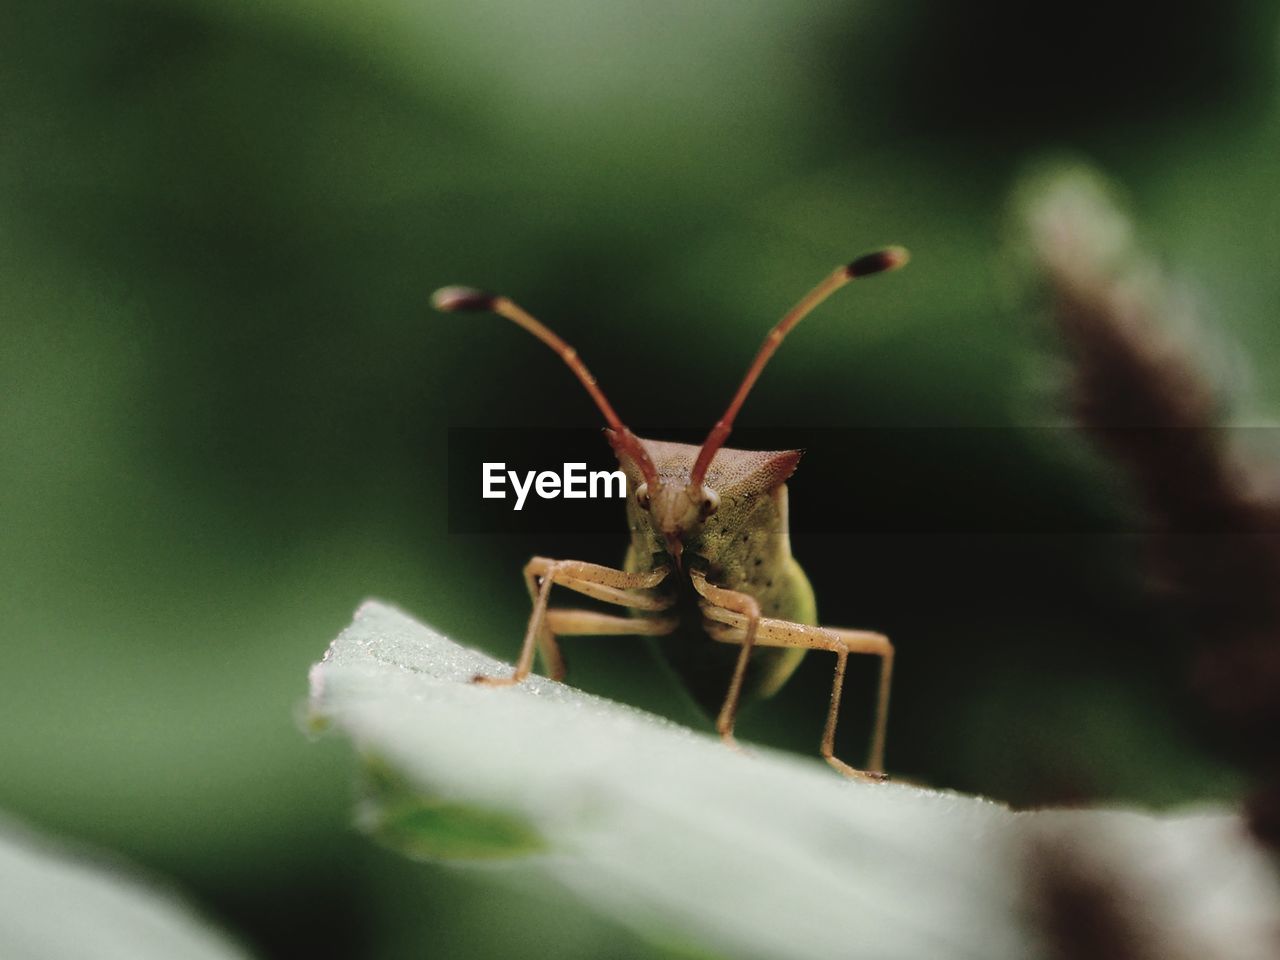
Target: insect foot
[488, 681]
[853, 773]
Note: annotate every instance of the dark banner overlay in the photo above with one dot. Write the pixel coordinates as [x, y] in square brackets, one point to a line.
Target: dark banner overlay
[870, 481]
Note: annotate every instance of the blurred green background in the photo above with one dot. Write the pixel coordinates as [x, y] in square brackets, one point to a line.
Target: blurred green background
[225, 400]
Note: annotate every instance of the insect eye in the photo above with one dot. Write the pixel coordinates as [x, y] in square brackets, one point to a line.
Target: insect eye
[710, 502]
[642, 496]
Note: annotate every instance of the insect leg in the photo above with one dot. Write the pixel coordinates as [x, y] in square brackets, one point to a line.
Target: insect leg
[731, 627]
[591, 623]
[562, 622]
[594, 580]
[745, 606]
[602, 583]
[552, 658]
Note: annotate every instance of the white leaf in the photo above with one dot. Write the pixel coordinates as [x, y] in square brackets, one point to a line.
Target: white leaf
[60, 904]
[762, 855]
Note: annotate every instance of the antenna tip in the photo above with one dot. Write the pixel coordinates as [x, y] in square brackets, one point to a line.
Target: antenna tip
[890, 258]
[455, 299]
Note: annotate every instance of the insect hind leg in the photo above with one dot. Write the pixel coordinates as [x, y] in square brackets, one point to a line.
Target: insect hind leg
[730, 627]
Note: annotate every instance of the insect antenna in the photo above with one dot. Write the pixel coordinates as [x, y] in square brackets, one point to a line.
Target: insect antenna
[890, 258]
[465, 299]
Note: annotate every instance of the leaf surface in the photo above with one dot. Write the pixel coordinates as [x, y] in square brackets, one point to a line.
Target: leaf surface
[757, 855]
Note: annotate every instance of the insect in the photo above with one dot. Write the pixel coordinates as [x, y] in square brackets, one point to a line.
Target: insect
[709, 570]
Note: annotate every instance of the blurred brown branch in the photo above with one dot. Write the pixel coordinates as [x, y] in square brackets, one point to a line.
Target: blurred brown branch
[1140, 392]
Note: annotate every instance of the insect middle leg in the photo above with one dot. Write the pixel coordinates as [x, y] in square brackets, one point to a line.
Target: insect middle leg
[593, 580]
[729, 626]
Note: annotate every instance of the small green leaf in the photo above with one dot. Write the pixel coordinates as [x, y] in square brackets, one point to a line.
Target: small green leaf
[427, 828]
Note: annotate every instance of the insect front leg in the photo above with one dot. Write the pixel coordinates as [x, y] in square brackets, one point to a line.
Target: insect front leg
[747, 608]
[593, 580]
[732, 627]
